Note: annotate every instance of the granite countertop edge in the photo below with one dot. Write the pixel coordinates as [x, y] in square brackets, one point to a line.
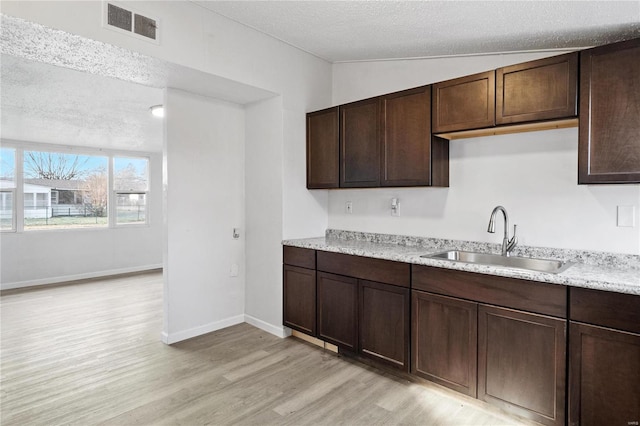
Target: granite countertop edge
[622, 278]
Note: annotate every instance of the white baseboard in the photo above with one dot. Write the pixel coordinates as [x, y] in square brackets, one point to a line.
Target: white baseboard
[279, 331]
[76, 277]
[170, 338]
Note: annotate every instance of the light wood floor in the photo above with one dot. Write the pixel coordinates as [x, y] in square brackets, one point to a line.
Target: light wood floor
[90, 353]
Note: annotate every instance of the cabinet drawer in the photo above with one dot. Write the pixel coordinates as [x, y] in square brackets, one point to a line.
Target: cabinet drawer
[531, 296]
[296, 256]
[605, 308]
[366, 268]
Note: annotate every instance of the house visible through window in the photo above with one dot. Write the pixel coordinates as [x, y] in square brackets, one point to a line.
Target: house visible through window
[69, 190]
[64, 190]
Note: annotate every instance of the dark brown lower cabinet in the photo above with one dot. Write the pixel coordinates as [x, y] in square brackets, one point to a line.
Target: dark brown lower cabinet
[444, 341]
[384, 323]
[521, 363]
[604, 382]
[299, 299]
[337, 303]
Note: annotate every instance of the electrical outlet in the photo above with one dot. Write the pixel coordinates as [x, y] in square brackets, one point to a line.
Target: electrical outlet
[349, 207]
[395, 207]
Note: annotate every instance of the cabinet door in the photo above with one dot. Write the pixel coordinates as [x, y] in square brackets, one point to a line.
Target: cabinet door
[384, 323]
[521, 363]
[464, 103]
[406, 138]
[444, 341]
[299, 293]
[323, 149]
[338, 310]
[604, 376]
[537, 90]
[608, 147]
[360, 144]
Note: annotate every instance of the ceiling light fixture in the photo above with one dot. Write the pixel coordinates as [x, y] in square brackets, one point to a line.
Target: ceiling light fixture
[157, 111]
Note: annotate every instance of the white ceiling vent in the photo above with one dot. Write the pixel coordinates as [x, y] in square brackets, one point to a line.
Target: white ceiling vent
[131, 22]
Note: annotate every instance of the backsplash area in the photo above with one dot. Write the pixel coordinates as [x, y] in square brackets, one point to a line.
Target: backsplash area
[533, 175]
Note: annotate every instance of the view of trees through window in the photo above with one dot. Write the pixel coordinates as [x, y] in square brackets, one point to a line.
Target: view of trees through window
[80, 185]
[67, 190]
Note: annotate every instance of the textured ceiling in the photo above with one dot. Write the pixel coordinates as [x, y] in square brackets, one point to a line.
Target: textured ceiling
[60, 88]
[50, 104]
[367, 30]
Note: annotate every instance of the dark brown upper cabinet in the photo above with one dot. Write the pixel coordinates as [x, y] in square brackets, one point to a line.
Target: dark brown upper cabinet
[538, 90]
[406, 138]
[323, 149]
[360, 144]
[609, 145]
[464, 103]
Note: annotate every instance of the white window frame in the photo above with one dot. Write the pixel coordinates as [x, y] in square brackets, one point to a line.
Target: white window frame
[17, 157]
[18, 191]
[11, 191]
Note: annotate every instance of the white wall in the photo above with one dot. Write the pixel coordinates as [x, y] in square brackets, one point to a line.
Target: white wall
[50, 256]
[264, 213]
[203, 202]
[534, 175]
[195, 37]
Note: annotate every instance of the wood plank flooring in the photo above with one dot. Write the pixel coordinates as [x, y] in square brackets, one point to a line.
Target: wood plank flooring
[90, 354]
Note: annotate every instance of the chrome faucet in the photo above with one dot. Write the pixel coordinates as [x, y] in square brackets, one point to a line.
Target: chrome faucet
[507, 244]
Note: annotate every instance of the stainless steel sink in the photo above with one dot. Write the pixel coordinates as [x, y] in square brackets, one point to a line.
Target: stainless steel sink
[540, 265]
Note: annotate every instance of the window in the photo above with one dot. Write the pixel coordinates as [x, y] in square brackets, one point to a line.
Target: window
[130, 185]
[77, 183]
[65, 189]
[7, 189]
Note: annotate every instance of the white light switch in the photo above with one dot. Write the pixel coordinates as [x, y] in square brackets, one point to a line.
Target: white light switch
[349, 207]
[233, 271]
[626, 216]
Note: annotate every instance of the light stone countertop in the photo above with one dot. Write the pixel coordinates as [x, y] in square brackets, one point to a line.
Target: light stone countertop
[596, 270]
